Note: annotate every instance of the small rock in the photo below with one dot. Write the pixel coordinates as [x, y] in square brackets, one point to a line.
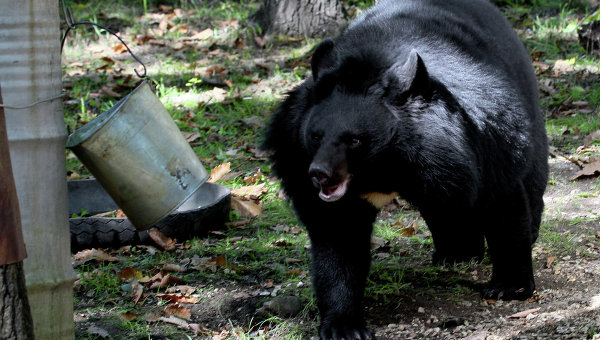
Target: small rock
[421, 310]
[283, 306]
[478, 336]
[452, 322]
[595, 302]
[95, 330]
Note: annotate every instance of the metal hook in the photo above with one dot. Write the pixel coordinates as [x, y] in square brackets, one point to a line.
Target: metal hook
[68, 15]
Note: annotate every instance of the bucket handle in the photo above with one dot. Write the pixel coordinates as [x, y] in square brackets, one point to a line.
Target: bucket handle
[72, 23]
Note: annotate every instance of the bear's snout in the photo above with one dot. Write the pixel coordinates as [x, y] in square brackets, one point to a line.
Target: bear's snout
[330, 189]
[319, 175]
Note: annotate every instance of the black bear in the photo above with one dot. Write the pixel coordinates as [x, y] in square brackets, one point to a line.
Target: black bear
[436, 101]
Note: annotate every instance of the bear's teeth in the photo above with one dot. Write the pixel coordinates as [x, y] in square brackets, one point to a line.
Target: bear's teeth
[335, 192]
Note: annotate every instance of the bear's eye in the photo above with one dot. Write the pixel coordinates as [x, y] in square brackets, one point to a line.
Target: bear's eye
[354, 142]
[316, 137]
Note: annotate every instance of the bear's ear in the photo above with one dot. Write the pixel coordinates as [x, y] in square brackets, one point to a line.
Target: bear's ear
[324, 58]
[406, 78]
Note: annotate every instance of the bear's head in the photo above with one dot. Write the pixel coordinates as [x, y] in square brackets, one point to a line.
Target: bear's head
[356, 115]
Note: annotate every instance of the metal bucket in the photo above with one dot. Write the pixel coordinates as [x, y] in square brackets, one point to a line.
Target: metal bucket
[29, 72]
[140, 157]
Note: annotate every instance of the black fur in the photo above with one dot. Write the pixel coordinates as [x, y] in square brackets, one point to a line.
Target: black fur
[435, 100]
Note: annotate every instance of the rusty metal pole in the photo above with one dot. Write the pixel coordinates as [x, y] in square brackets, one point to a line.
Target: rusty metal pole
[12, 247]
[15, 315]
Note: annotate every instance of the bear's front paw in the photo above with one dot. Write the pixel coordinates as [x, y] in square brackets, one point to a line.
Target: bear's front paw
[345, 330]
[499, 291]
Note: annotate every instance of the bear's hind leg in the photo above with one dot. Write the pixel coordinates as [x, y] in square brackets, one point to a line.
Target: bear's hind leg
[509, 238]
[456, 236]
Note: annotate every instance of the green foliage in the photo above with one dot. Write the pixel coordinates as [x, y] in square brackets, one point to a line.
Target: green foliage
[81, 214]
[556, 240]
[543, 4]
[578, 123]
[100, 280]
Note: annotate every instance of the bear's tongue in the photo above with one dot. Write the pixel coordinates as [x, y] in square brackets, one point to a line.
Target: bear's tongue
[334, 192]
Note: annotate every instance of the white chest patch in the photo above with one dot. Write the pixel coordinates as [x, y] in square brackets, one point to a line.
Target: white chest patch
[379, 199]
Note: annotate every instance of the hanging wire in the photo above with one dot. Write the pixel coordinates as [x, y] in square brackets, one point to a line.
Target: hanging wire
[71, 24]
[20, 107]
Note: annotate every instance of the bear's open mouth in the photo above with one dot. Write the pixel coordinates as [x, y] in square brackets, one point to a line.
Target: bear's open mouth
[334, 192]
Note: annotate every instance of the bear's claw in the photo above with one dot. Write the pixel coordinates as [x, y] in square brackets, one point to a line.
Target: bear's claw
[499, 292]
[346, 333]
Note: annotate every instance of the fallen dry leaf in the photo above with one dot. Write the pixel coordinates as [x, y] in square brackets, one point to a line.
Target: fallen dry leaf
[252, 192]
[238, 224]
[245, 208]
[119, 48]
[178, 311]
[590, 169]
[93, 255]
[219, 171]
[129, 273]
[378, 242]
[290, 260]
[109, 92]
[128, 316]
[227, 82]
[200, 329]
[260, 41]
[253, 178]
[221, 261]
[214, 69]
[161, 240]
[175, 321]
[203, 35]
[411, 230]
[173, 267]
[549, 261]
[524, 313]
[165, 281]
[281, 243]
[218, 234]
[149, 249]
[137, 290]
[178, 298]
[182, 289]
[236, 239]
[190, 137]
[295, 272]
[151, 317]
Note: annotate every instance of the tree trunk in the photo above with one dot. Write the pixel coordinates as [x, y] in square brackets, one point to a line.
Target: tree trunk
[302, 18]
[15, 317]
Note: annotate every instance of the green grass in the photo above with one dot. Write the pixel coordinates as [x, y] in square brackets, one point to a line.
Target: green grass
[99, 280]
[557, 240]
[576, 124]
